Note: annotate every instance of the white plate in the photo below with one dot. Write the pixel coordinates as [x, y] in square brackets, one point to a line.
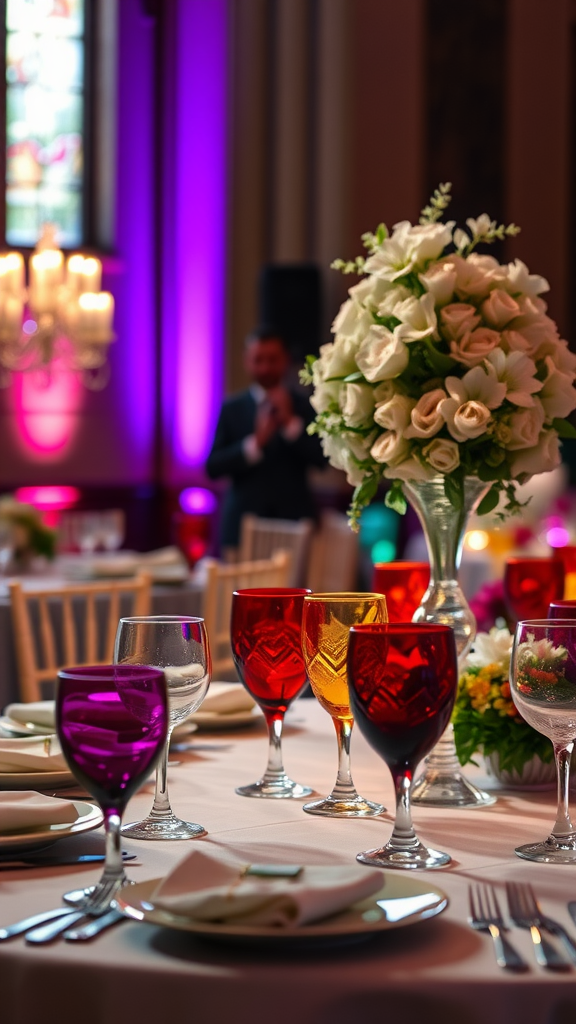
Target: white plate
[402, 900]
[234, 720]
[15, 728]
[36, 780]
[89, 817]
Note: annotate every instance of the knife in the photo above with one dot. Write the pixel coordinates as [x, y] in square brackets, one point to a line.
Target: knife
[55, 861]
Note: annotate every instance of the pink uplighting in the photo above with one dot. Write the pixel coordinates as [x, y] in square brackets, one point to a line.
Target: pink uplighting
[557, 537]
[54, 499]
[198, 501]
[47, 411]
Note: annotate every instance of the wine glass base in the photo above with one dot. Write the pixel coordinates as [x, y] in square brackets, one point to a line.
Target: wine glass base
[436, 789]
[164, 828]
[549, 852]
[279, 789]
[417, 858]
[353, 807]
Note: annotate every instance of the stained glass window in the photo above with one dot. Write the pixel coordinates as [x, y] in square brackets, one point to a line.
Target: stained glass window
[44, 119]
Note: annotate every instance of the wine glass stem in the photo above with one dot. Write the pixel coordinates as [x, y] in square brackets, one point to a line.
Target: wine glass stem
[113, 865]
[161, 807]
[403, 836]
[275, 767]
[344, 787]
[563, 825]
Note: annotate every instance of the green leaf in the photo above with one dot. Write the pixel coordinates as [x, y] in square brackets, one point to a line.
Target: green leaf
[395, 498]
[564, 428]
[365, 491]
[489, 501]
[441, 363]
[352, 377]
[454, 490]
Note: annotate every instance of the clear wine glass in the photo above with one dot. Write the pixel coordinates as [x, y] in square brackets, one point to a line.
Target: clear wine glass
[402, 678]
[178, 644]
[112, 722]
[543, 685]
[325, 630]
[267, 649]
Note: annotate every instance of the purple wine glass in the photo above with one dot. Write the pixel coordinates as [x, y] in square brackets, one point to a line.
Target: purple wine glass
[112, 722]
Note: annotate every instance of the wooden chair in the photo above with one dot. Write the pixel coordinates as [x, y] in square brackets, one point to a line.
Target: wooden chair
[221, 582]
[69, 629]
[262, 538]
[334, 555]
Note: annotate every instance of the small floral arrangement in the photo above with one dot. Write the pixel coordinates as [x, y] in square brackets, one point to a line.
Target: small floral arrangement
[444, 362]
[29, 534]
[485, 718]
[541, 671]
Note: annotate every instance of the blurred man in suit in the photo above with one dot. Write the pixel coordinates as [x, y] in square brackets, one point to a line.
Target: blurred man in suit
[261, 442]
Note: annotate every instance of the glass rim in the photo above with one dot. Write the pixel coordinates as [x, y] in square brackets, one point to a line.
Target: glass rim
[563, 602]
[536, 559]
[545, 622]
[406, 627]
[272, 592]
[344, 595]
[162, 619]
[89, 672]
[400, 564]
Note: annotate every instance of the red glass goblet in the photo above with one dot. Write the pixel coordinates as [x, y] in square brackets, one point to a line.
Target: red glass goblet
[267, 649]
[404, 584]
[562, 609]
[530, 584]
[402, 679]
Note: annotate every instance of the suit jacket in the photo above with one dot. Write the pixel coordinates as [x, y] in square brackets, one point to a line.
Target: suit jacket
[274, 487]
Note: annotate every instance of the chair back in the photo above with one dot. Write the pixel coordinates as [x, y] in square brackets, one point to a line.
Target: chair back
[70, 625]
[334, 555]
[221, 582]
[262, 538]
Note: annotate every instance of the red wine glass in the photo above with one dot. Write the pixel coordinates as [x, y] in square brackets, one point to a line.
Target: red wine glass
[402, 679]
[267, 649]
[404, 584]
[562, 609]
[530, 584]
[112, 722]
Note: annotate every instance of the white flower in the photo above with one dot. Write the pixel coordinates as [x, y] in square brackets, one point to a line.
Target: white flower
[393, 296]
[493, 648]
[384, 391]
[370, 291]
[544, 457]
[458, 318]
[562, 358]
[472, 280]
[428, 241]
[325, 395]
[558, 395]
[443, 455]
[337, 450]
[409, 248]
[535, 330]
[410, 469]
[417, 316]
[426, 416]
[467, 411]
[499, 308]
[394, 414]
[518, 279]
[466, 421]
[440, 281]
[474, 346]
[337, 359]
[357, 403]
[382, 355]
[479, 226]
[517, 372]
[524, 427]
[390, 448]
[352, 321]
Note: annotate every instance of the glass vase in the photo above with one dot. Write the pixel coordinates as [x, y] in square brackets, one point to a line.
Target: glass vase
[443, 783]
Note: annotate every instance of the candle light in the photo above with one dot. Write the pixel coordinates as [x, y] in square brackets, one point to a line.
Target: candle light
[12, 274]
[46, 273]
[91, 275]
[11, 310]
[95, 316]
[74, 275]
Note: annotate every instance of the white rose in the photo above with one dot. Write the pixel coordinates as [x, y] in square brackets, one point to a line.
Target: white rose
[514, 341]
[558, 395]
[338, 453]
[384, 392]
[473, 347]
[357, 403]
[325, 395]
[390, 448]
[392, 298]
[381, 355]
[440, 281]
[472, 280]
[410, 469]
[525, 426]
[352, 321]
[499, 308]
[370, 291]
[544, 457]
[426, 416]
[467, 420]
[458, 318]
[417, 316]
[443, 455]
[338, 358]
[394, 414]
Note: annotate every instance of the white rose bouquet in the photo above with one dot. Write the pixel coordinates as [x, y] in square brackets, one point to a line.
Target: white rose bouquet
[444, 362]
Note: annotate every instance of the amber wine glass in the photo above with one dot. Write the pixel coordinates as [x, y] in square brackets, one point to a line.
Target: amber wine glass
[325, 629]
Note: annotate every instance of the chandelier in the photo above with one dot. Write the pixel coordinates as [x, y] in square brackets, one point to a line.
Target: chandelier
[62, 317]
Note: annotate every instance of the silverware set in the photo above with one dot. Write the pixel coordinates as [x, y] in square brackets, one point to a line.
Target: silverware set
[485, 915]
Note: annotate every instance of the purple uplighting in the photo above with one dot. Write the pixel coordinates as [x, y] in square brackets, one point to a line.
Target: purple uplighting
[198, 501]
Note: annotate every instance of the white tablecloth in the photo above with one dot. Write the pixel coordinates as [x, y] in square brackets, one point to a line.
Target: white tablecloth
[437, 972]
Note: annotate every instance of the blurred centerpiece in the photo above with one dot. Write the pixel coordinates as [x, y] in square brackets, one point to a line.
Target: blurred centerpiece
[23, 535]
[447, 378]
[62, 315]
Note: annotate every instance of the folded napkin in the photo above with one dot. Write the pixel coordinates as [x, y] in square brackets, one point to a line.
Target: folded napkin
[227, 699]
[39, 712]
[31, 755]
[26, 810]
[206, 888]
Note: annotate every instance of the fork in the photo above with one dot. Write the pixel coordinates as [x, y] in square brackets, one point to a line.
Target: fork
[549, 924]
[486, 916]
[524, 913]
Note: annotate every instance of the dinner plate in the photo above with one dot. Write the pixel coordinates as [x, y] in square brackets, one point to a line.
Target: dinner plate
[217, 720]
[36, 780]
[89, 817]
[402, 900]
[10, 725]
